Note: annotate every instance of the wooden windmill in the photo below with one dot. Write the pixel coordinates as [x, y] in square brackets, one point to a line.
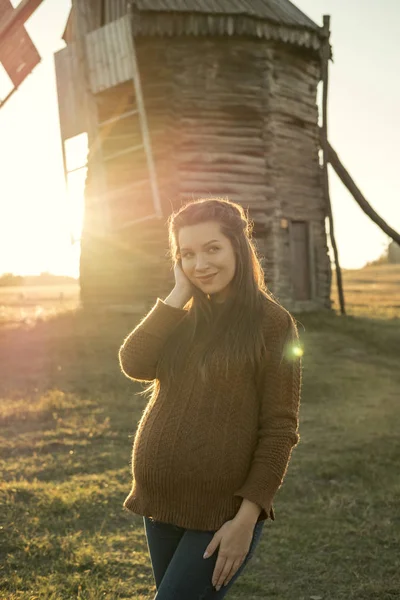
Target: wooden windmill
[189, 99]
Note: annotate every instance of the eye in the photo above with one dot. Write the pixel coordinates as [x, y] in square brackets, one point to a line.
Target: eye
[186, 254]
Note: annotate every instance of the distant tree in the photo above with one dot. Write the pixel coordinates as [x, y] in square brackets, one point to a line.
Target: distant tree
[383, 259]
[9, 279]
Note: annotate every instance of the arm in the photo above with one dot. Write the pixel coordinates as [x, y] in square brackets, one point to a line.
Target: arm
[138, 355]
[280, 386]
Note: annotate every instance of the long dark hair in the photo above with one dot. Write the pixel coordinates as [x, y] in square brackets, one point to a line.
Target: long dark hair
[225, 336]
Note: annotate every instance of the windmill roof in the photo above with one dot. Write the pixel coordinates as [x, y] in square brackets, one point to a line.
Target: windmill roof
[279, 11]
[278, 20]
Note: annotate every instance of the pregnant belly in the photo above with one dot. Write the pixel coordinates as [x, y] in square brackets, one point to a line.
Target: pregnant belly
[187, 451]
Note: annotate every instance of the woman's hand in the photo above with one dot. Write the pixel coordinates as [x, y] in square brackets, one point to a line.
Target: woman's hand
[182, 283]
[234, 539]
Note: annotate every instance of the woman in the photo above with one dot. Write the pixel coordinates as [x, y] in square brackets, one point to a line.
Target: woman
[214, 441]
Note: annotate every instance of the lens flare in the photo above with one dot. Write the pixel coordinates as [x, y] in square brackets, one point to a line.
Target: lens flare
[297, 350]
[294, 350]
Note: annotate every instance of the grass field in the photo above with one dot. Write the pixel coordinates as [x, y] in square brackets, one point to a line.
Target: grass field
[372, 291]
[68, 419]
[28, 304]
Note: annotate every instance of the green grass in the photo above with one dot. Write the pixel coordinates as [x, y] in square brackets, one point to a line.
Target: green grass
[68, 419]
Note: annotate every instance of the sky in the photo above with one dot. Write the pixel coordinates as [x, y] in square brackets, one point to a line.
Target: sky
[38, 217]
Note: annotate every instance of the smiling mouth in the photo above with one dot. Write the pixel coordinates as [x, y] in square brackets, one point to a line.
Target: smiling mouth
[208, 278]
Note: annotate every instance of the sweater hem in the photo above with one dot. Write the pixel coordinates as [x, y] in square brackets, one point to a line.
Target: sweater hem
[199, 518]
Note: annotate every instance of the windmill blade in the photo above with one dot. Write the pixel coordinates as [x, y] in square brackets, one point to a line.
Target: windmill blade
[18, 54]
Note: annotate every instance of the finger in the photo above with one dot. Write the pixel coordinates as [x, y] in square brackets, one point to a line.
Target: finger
[212, 546]
[221, 560]
[225, 572]
[235, 567]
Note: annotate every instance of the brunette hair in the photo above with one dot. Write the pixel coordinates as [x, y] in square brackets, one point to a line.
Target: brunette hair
[233, 334]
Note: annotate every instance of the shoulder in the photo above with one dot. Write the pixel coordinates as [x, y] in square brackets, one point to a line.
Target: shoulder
[275, 315]
[278, 326]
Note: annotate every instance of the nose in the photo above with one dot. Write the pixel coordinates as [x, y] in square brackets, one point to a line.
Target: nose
[201, 264]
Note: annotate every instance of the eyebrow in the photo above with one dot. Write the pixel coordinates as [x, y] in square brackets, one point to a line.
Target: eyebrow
[204, 245]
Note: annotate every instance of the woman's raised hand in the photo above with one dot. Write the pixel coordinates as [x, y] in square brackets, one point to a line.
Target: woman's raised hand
[182, 291]
[182, 284]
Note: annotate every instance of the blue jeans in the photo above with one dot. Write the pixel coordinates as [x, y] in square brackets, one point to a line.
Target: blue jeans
[179, 569]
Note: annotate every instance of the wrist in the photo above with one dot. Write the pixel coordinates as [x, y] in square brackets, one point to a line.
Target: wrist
[248, 513]
[177, 299]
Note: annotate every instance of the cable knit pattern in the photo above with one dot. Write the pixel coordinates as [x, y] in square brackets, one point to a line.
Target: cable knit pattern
[200, 449]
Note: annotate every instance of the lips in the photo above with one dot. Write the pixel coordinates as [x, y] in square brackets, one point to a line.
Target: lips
[208, 278]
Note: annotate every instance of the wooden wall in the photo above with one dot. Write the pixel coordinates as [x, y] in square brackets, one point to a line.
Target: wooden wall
[293, 116]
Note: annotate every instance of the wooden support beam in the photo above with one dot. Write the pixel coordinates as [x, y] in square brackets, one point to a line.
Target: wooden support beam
[80, 15]
[2, 102]
[347, 180]
[325, 56]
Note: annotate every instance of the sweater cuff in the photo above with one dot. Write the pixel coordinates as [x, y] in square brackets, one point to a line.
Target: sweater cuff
[162, 319]
[260, 487]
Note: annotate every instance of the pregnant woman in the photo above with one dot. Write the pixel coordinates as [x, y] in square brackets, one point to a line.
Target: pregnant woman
[214, 442]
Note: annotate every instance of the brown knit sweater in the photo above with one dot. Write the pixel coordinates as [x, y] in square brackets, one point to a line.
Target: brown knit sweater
[201, 449]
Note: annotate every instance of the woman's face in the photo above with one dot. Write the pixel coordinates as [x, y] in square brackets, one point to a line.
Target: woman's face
[207, 251]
